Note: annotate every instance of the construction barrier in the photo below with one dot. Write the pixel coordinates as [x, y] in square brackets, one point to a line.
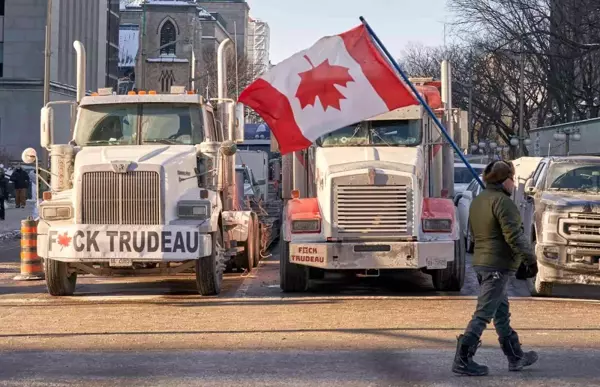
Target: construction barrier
[32, 268]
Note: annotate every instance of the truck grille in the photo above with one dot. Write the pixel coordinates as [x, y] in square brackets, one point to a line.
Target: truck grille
[379, 211]
[121, 198]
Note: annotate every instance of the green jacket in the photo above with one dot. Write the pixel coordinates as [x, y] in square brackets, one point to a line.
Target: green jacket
[497, 230]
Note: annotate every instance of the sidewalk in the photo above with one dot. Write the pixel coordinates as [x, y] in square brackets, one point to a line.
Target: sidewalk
[11, 226]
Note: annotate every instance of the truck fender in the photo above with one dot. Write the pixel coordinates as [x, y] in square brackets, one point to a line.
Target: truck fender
[299, 209]
[237, 223]
[441, 208]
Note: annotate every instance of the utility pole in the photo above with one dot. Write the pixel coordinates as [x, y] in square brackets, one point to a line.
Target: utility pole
[47, 53]
[521, 104]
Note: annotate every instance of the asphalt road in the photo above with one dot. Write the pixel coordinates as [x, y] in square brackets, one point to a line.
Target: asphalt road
[392, 332]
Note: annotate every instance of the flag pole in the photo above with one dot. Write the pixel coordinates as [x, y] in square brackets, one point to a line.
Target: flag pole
[438, 123]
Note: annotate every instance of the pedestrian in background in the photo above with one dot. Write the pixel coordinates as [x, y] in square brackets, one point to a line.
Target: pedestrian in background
[501, 249]
[3, 193]
[20, 179]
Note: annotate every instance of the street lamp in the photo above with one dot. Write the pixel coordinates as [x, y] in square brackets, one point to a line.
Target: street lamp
[566, 135]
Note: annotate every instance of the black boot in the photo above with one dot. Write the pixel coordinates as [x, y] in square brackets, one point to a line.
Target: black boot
[517, 359]
[463, 360]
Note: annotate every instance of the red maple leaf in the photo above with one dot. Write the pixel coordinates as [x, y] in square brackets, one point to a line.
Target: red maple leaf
[64, 240]
[320, 82]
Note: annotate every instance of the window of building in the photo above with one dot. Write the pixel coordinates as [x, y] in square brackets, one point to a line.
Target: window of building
[168, 35]
[167, 79]
[1, 59]
[1, 7]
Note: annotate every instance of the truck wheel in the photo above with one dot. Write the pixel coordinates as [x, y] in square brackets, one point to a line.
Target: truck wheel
[452, 278]
[58, 279]
[209, 270]
[292, 277]
[470, 243]
[246, 259]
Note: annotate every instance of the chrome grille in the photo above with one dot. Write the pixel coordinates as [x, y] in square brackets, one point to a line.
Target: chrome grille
[121, 198]
[373, 211]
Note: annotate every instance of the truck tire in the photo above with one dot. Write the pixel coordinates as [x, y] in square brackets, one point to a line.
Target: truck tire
[257, 244]
[452, 278]
[469, 242]
[209, 273]
[58, 280]
[292, 277]
[245, 260]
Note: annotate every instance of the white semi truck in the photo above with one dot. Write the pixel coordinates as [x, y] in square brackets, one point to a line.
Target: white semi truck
[368, 198]
[145, 186]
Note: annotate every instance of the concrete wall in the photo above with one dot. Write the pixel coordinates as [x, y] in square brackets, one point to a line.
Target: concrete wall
[21, 87]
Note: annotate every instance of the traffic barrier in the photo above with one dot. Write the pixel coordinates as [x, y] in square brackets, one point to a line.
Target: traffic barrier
[32, 268]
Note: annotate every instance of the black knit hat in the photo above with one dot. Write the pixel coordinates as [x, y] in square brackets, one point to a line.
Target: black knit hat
[498, 172]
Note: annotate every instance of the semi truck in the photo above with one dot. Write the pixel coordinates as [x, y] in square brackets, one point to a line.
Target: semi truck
[145, 186]
[369, 198]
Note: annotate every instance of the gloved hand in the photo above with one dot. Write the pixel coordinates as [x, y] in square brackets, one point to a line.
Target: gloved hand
[527, 271]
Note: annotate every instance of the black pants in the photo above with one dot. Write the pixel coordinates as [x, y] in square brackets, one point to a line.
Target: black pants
[492, 304]
[2, 213]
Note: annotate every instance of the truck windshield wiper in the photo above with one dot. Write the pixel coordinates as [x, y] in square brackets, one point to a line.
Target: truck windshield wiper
[374, 132]
[162, 141]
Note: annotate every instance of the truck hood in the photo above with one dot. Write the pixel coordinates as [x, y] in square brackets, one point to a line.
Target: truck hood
[139, 154]
[577, 201]
[348, 158]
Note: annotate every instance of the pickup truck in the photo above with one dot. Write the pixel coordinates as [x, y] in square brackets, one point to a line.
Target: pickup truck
[560, 206]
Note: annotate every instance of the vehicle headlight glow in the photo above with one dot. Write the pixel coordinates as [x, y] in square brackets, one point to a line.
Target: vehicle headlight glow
[437, 225]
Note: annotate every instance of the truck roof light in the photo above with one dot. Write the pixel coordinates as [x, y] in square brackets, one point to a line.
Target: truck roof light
[47, 195]
[94, 94]
[191, 92]
[152, 92]
[131, 93]
[105, 91]
[295, 194]
[142, 92]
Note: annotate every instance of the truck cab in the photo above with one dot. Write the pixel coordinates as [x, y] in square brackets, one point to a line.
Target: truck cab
[369, 200]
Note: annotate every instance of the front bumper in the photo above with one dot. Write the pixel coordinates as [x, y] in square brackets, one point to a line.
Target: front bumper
[564, 269]
[107, 243]
[373, 255]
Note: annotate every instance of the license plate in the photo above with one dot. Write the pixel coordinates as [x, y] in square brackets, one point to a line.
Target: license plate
[121, 262]
[436, 263]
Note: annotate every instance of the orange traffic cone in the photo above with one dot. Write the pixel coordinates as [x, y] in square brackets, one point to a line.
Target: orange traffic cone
[32, 268]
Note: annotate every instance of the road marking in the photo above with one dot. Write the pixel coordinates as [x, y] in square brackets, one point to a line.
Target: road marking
[243, 289]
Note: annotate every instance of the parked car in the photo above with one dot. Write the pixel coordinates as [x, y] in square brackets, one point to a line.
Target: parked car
[561, 212]
[462, 176]
[463, 203]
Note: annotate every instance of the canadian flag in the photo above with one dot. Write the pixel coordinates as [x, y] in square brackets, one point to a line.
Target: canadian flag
[339, 81]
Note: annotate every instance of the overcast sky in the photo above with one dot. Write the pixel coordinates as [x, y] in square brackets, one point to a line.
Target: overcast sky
[296, 25]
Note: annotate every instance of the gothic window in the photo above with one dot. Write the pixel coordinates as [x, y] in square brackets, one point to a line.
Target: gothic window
[167, 79]
[168, 35]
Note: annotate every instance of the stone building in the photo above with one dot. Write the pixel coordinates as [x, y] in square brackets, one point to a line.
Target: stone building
[175, 36]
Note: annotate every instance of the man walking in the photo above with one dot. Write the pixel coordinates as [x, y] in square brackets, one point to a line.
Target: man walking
[501, 248]
[3, 193]
[20, 179]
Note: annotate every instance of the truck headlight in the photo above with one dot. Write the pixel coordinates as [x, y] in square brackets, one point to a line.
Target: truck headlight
[437, 225]
[306, 226]
[56, 212]
[194, 210]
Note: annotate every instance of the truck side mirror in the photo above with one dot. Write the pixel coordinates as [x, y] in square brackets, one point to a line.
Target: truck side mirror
[530, 189]
[46, 126]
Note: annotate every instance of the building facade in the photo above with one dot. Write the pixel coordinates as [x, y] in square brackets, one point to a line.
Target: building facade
[236, 14]
[259, 44]
[22, 33]
[153, 25]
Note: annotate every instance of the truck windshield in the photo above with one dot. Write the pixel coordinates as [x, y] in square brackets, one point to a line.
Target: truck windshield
[380, 133]
[131, 124]
[574, 177]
